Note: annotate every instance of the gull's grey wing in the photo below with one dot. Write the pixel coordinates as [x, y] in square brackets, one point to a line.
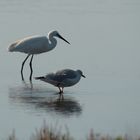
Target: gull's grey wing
[64, 74]
[59, 78]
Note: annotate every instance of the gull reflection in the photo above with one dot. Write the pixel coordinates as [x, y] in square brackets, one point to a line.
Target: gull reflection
[41, 99]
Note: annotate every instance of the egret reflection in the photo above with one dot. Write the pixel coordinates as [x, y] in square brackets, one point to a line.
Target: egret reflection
[40, 99]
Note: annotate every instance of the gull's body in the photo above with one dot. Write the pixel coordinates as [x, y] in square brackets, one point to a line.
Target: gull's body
[35, 45]
[62, 78]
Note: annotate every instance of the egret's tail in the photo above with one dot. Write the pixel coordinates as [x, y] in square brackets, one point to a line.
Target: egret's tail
[12, 47]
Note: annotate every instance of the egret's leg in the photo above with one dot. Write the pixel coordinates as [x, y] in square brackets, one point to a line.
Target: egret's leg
[23, 66]
[31, 68]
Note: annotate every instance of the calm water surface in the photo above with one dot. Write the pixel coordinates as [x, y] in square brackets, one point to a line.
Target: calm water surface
[104, 37]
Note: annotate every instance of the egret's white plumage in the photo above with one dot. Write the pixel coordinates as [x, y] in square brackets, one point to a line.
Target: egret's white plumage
[62, 78]
[31, 45]
[35, 45]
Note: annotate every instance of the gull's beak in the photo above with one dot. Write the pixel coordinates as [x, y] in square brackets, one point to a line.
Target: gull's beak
[62, 38]
[83, 76]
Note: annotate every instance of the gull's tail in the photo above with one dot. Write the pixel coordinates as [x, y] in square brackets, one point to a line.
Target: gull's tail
[48, 79]
[40, 78]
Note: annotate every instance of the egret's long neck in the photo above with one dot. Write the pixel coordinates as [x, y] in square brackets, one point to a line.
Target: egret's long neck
[52, 42]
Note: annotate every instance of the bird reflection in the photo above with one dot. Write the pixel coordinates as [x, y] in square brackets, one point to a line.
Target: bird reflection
[44, 100]
[62, 106]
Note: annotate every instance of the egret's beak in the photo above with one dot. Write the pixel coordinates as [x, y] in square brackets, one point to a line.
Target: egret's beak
[83, 76]
[62, 38]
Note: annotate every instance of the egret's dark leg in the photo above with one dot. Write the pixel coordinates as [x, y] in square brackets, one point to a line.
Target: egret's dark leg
[23, 66]
[31, 68]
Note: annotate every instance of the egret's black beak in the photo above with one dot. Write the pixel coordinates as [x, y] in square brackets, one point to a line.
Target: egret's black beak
[83, 76]
[62, 38]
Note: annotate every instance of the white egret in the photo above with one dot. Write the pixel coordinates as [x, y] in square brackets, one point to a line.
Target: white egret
[62, 78]
[35, 45]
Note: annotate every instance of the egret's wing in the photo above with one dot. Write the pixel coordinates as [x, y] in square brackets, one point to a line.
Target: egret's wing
[33, 44]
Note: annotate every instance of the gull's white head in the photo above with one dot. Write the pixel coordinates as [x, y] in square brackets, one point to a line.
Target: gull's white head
[81, 73]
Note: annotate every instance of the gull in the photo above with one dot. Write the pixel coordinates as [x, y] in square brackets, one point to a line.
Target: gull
[35, 45]
[62, 78]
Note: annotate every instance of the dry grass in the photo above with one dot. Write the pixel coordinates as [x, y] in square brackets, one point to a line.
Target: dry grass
[93, 136]
[51, 133]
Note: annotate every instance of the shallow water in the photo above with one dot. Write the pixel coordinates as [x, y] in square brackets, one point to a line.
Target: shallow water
[104, 37]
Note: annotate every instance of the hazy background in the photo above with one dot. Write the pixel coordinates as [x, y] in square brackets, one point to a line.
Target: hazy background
[104, 37]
